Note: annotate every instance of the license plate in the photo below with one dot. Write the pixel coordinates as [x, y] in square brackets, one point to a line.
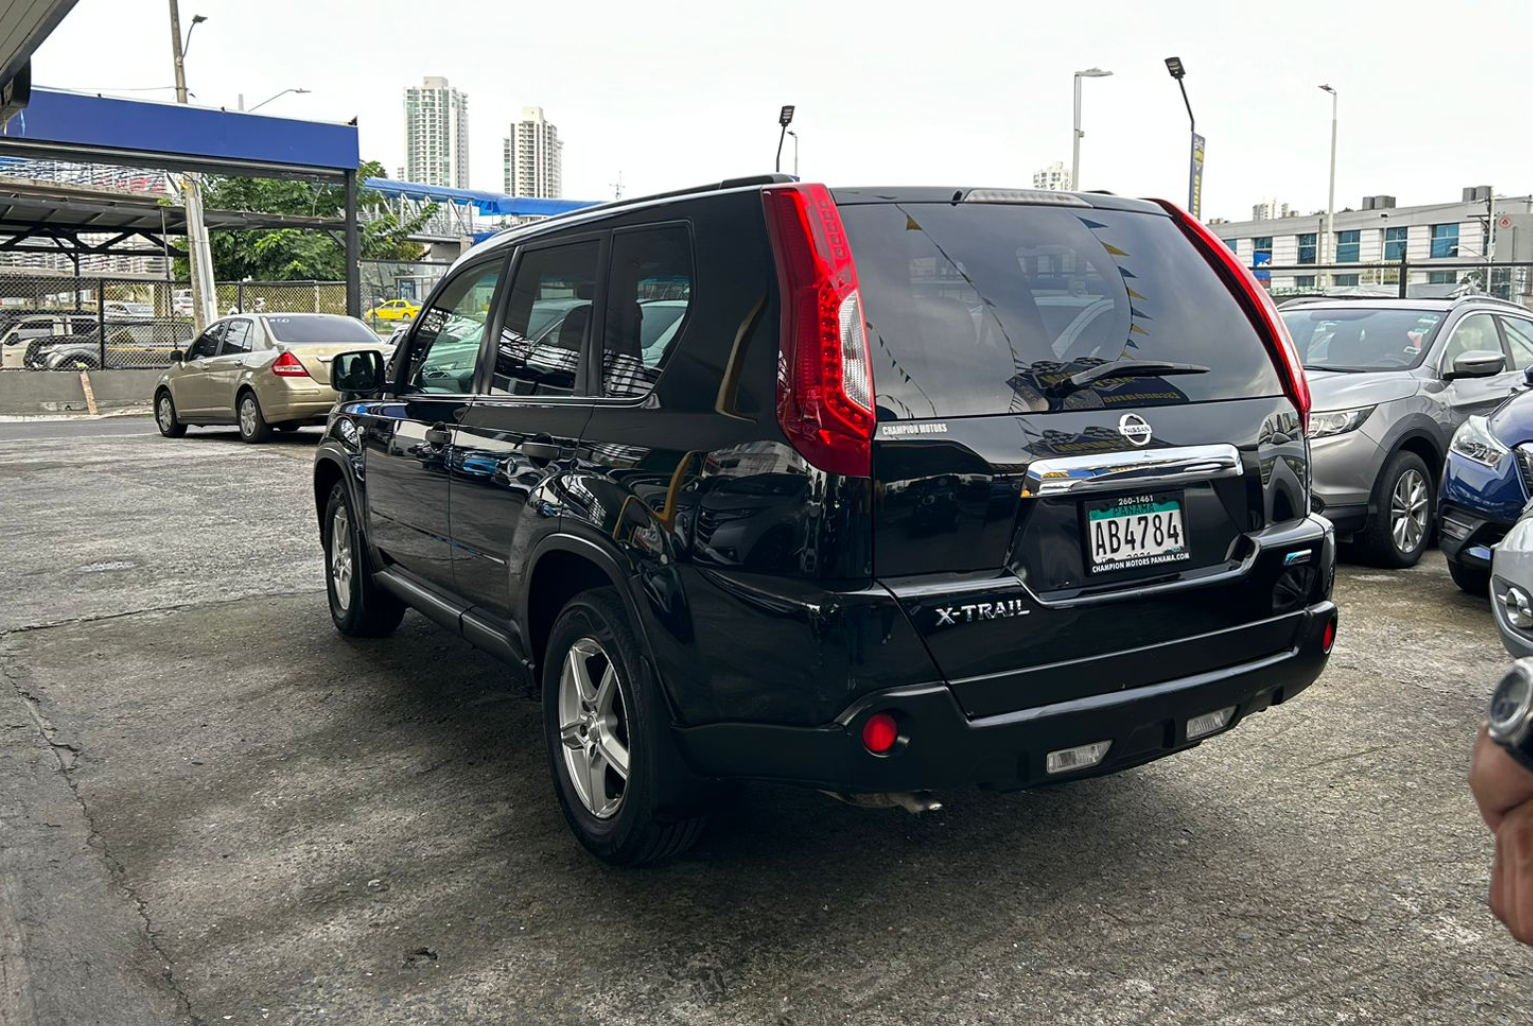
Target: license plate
[1135, 531]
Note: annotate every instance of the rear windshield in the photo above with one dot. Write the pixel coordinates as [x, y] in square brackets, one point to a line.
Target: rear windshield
[319, 329]
[978, 309]
[1361, 340]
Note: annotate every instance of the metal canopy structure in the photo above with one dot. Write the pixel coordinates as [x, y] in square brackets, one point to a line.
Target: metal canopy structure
[47, 217]
[58, 125]
[491, 204]
[24, 24]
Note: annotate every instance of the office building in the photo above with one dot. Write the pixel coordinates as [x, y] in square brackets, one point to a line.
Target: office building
[436, 134]
[533, 157]
[1054, 177]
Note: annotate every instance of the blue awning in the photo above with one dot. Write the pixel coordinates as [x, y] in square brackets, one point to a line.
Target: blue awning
[491, 204]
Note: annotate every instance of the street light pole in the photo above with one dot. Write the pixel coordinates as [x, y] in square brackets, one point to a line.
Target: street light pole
[1329, 244]
[277, 96]
[784, 118]
[1075, 146]
[1195, 160]
[795, 151]
[199, 256]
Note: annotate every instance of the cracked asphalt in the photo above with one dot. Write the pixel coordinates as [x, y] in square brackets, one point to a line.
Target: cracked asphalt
[213, 809]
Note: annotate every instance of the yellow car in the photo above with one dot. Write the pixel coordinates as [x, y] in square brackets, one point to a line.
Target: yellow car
[395, 310]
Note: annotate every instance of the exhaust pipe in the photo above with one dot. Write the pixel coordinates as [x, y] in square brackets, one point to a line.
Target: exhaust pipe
[907, 800]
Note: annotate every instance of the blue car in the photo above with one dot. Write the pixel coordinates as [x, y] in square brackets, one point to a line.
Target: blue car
[1487, 481]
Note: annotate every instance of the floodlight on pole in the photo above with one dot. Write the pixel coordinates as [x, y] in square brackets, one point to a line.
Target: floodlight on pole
[278, 96]
[1075, 149]
[784, 119]
[1195, 160]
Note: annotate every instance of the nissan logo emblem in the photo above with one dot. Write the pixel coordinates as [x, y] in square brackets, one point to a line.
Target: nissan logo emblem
[1135, 428]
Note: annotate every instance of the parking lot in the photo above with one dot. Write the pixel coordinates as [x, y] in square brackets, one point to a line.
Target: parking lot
[213, 809]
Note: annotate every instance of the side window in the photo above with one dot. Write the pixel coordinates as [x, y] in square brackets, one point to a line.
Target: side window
[547, 320]
[236, 338]
[1519, 338]
[1477, 331]
[445, 347]
[207, 343]
[647, 300]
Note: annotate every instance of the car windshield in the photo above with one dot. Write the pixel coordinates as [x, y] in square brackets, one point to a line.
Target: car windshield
[320, 329]
[1352, 339]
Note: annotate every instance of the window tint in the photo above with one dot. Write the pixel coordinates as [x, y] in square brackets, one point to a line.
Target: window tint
[236, 338]
[648, 297]
[1519, 339]
[1349, 338]
[1477, 331]
[320, 329]
[445, 347]
[547, 319]
[207, 342]
[977, 309]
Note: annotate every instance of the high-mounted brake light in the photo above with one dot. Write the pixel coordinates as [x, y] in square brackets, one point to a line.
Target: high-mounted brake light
[289, 366]
[824, 373]
[1258, 305]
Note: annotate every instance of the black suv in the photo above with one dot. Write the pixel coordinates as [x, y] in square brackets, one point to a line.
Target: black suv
[871, 490]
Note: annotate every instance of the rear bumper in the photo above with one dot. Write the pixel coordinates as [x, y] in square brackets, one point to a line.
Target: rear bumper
[311, 403]
[942, 747]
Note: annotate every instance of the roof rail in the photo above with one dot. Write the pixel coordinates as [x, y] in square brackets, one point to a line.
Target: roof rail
[1485, 297]
[728, 183]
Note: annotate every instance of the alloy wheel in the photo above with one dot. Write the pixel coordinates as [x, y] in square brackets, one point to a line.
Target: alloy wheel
[166, 414]
[593, 728]
[1408, 511]
[248, 415]
[341, 565]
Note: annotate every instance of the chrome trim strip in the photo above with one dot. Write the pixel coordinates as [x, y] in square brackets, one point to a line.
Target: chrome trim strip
[1144, 468]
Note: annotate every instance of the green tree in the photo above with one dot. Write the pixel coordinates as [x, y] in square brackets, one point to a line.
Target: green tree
[301, 254]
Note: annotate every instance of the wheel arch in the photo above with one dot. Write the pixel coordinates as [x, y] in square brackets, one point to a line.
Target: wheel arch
[562, 566]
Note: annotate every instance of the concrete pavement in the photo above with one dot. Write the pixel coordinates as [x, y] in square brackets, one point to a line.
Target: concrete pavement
[214, 809]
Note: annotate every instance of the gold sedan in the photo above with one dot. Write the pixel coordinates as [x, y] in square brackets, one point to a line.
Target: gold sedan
[258, 372]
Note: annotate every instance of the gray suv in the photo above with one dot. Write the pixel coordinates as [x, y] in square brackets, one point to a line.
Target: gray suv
[1391, 380]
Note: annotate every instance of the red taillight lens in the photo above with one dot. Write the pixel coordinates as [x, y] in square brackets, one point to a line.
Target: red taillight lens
[824, 376]
[1258, 304]
[879, 732]
[289, 366]
[1328, 638]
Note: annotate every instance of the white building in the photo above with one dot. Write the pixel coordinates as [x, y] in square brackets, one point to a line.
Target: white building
[436, 134]
[1053, 177]
[1269, 209]
[533, 157]
[1381, 233]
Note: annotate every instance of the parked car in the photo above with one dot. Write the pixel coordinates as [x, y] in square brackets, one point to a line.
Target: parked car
[129, 344]
[395, 310]
[1511, 586]
[1392, 380]
[119, 309]
[259, 372]
[27, 338]
[1487, 481]
[717, 556]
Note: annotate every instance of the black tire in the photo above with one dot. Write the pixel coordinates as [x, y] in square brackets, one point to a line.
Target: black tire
[1472, 579]
[165, 415]
[359, 607]
[254, 429]
[661, 811]
[288, 426]
[1378, 542]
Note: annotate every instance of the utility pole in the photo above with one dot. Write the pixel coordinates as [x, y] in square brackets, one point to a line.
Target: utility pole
[199, 255]
[1077, 135]
[1329, 242]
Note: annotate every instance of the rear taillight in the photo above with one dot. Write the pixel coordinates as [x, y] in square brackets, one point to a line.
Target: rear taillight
[289, 366]
[824, 374]
[1258, 306]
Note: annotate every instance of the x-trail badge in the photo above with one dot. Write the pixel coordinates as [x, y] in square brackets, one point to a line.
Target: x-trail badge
[1135, 428]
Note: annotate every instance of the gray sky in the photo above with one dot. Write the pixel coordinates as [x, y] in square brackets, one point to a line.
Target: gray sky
[680, 93]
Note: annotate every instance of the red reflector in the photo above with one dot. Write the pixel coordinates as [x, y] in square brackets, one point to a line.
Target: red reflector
[825, 373]
[1329, 637]
[1259, 307]
[289, 366]
[879, 732]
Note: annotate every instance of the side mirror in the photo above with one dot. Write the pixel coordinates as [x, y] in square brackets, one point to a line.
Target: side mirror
[1527, 376]
[1477, 363]
[177, 356]
[358, 373]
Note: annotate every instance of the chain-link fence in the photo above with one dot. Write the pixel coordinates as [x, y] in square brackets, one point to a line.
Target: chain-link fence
[62, 322]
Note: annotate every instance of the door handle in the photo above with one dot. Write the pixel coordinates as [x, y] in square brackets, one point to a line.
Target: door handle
[438, 434]
[540, 450]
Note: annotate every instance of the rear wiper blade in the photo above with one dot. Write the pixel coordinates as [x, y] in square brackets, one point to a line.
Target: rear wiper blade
[1123, 369]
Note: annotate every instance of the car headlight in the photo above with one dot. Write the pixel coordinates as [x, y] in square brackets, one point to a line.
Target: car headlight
[1337, 422]
[1473, 441]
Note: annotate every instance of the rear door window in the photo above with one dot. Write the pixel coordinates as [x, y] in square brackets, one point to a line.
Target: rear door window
[548, 318]
[977, 309]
